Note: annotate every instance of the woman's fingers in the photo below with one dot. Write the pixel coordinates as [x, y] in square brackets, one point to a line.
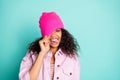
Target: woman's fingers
[46, 40]
[44, 44]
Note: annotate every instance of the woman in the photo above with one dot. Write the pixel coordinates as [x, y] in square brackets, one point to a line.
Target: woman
[54, 55]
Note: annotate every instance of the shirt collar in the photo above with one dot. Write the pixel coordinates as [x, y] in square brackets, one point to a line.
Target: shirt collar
[58, 53]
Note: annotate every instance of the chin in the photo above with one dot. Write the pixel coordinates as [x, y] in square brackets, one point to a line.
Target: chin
[54, 46]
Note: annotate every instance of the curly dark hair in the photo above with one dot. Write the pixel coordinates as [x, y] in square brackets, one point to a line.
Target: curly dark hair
[68, 44]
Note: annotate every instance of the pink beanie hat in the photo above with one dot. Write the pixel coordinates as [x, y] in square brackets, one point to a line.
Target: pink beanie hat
[48, 22]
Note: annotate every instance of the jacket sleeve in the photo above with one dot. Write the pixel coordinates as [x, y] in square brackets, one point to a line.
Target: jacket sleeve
[25, 67]
[76, 75]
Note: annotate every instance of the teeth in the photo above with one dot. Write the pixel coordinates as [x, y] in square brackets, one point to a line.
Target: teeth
[54, 40]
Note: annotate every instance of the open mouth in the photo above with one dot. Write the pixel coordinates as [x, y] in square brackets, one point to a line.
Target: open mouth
[54, 41]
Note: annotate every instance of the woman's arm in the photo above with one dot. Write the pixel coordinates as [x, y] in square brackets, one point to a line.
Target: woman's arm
[25, 67]
[34, 71]
[76, 75]
[30, 71]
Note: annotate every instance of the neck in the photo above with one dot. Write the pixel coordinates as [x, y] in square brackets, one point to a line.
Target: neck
[53, 50]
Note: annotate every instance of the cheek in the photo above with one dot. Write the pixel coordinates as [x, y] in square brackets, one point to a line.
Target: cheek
[60, 35]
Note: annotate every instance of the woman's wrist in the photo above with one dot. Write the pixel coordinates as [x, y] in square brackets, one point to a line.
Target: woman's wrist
[42, 53]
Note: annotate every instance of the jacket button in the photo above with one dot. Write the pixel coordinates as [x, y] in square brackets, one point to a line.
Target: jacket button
[70, 73]
[57, 77]
[58, 65]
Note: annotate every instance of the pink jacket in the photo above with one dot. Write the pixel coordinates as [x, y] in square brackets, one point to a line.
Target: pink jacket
[66, 68]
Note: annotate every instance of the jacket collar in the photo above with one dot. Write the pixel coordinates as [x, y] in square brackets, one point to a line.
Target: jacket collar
[58, 53]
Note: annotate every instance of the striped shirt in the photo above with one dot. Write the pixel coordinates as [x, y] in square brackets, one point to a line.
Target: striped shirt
[51, 71]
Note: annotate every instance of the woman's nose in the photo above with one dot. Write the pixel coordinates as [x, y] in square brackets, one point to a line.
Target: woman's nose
[53, 33]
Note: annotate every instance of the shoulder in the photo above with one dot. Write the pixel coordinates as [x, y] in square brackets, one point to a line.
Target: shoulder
[71, 60]
[72, 57]
[30, 56]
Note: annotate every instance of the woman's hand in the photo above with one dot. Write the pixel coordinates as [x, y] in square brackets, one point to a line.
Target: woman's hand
[44, 45]
[35, 69]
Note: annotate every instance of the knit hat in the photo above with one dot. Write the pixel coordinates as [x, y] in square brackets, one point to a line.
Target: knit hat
[48, 22]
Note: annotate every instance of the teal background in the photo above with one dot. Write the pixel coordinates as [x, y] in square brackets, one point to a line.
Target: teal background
[94, 23]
